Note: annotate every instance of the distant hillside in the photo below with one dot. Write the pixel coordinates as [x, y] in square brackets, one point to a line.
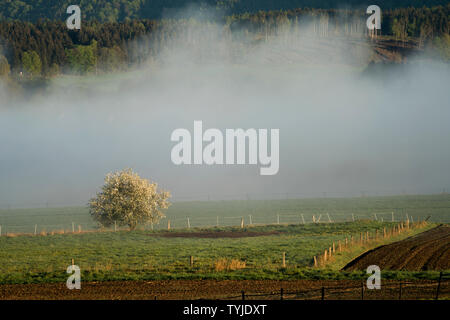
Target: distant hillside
[120, 10]
[48, 48]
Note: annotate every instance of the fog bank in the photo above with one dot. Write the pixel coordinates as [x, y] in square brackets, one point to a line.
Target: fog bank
[342, 131]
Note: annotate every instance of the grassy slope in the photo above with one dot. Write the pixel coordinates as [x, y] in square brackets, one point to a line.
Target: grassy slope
[137, 255]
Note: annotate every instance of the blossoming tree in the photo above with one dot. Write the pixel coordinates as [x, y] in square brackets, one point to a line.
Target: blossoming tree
[128, 199]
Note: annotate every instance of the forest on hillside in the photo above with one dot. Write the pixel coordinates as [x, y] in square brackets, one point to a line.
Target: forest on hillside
[48, 48]
[121, 10]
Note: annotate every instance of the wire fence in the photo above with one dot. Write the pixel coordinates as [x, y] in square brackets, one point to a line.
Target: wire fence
[389, 290]
[36, 224]
[253, 290]
[206, 211]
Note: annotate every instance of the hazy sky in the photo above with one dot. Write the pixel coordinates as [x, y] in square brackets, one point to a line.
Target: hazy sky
[341, 132]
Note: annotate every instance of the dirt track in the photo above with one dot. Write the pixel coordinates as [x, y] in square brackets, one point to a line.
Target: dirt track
[224, 289]
[426, 251]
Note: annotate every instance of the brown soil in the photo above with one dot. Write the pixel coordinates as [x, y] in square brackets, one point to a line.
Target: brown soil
[216, 234]
[223, 289]
[426, 251]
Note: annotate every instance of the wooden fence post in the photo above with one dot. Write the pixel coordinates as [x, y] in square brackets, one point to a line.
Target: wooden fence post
[188, 223]
[242, 223]
[439, 285]
[35, 229]
[168, 224]
[334, 248]
[73, 227]
[79, 228]
[325, 256]
[315, 262]
[250, 219]
[278, 218]
[303, 219]
[339, 246]
[284, 259]
[191, 261]
[362, 290]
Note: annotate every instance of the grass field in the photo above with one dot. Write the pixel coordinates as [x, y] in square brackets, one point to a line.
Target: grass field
[158, 254]
[229, 213]
[138, 255]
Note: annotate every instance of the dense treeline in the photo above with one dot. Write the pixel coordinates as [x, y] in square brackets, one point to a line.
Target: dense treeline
[120, 10]
[423, 23]
[58, 47]
[48, 47]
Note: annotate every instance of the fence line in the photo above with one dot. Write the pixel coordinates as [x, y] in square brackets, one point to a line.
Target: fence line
[78, 221]
[366, 238]
[399, 287]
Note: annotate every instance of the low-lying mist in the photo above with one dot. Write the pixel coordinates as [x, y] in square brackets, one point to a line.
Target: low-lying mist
[343, 131]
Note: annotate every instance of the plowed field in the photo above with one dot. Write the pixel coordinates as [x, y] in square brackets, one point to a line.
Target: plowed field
[225, 289]
[426, 251]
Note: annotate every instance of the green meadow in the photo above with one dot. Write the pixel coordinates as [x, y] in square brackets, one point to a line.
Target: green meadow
[138, 255]
[149, 253]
